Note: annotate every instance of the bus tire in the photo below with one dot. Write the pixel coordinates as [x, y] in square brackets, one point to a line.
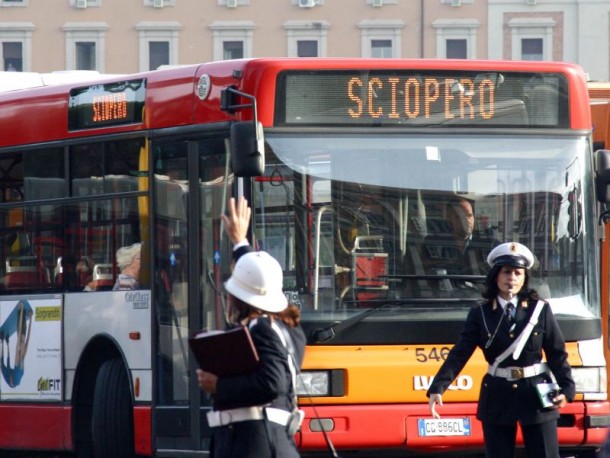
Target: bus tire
[112, 422]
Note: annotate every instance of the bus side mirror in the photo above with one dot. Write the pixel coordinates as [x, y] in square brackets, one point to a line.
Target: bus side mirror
[247, 149]
[602, 175]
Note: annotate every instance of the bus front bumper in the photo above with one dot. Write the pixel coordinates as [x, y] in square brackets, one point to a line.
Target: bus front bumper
[410, 426]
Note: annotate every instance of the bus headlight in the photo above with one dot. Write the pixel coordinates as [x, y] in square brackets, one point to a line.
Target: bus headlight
[589, 379]
[321, 383]
[313, 383]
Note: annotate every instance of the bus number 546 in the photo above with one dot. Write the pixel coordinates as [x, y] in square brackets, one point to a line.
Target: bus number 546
[433, 354]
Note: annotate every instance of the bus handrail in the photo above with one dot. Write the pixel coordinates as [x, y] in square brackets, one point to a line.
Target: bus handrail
[316, 275]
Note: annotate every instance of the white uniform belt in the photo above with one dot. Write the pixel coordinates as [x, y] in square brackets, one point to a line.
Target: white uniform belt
[516, 373]
[226, 417]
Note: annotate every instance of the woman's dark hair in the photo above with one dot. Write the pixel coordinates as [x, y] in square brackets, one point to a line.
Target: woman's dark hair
[242, 309]
[291, 316]
[491, 286]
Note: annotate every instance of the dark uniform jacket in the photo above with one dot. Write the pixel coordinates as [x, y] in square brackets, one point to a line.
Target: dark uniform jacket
[503, 402]
[270, 384]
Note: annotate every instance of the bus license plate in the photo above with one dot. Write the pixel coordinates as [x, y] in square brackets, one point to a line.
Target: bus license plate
[443, 427]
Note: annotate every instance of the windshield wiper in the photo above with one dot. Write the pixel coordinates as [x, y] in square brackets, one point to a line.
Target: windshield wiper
[329, 332]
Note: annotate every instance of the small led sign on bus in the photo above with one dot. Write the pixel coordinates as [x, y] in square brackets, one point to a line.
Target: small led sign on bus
[109, 107]
[104, 105]
[421, 99]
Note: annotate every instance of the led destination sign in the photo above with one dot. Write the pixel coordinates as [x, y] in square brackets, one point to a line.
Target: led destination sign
[104, 105]
[381, 97]
[418, 98]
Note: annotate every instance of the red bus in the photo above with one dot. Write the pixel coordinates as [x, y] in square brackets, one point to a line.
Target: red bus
[363, 159]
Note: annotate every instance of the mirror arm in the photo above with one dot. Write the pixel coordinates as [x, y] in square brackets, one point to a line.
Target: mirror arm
[228, 98]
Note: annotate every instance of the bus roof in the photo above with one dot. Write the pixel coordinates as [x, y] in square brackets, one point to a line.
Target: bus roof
[174, 96]
[12, 81]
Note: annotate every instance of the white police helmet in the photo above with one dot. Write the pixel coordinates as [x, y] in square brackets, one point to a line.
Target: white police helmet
[257, 280]
[511, 254]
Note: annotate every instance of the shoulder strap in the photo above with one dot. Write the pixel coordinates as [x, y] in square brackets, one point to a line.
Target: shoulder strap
[517, 346]
[287, 342]
[528, 329]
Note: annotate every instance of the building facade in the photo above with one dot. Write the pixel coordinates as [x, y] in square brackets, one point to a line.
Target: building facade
[127, 36]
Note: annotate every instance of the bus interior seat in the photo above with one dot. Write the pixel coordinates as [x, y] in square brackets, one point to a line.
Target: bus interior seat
[58, 271]
[22, 272]
[103, 277]
[369, 268]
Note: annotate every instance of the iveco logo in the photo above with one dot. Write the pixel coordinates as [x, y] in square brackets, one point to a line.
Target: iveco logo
[423, 382]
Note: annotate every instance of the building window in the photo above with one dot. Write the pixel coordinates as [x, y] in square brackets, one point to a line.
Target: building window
[157, 3]
[158, 44]
[457, 49]
[232, 39]
[232, 50]
[158, 54]
[85, 43]
[9, 3]
[383, 2]
[232, 3]
[307, 48]
[456, 38]
[16, 46]
[85, 55]
[84, 3]
[12, 56]
[381, 38]
[532, 38]
[381, 48]
[316, 2]
[306, 38]
[532, 49]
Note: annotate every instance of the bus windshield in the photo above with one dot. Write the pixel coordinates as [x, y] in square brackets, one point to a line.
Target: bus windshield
[404, 223]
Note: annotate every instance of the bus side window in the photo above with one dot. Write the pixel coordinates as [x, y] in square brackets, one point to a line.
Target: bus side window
[35, 238]
[99, 225]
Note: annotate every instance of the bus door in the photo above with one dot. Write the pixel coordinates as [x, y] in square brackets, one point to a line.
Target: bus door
[192, 185]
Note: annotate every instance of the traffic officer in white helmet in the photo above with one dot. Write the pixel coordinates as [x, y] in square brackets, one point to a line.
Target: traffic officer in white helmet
[255, 415]
[514, 351]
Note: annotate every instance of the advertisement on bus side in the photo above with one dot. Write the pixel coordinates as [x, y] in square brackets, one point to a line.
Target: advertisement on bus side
[30, 349]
